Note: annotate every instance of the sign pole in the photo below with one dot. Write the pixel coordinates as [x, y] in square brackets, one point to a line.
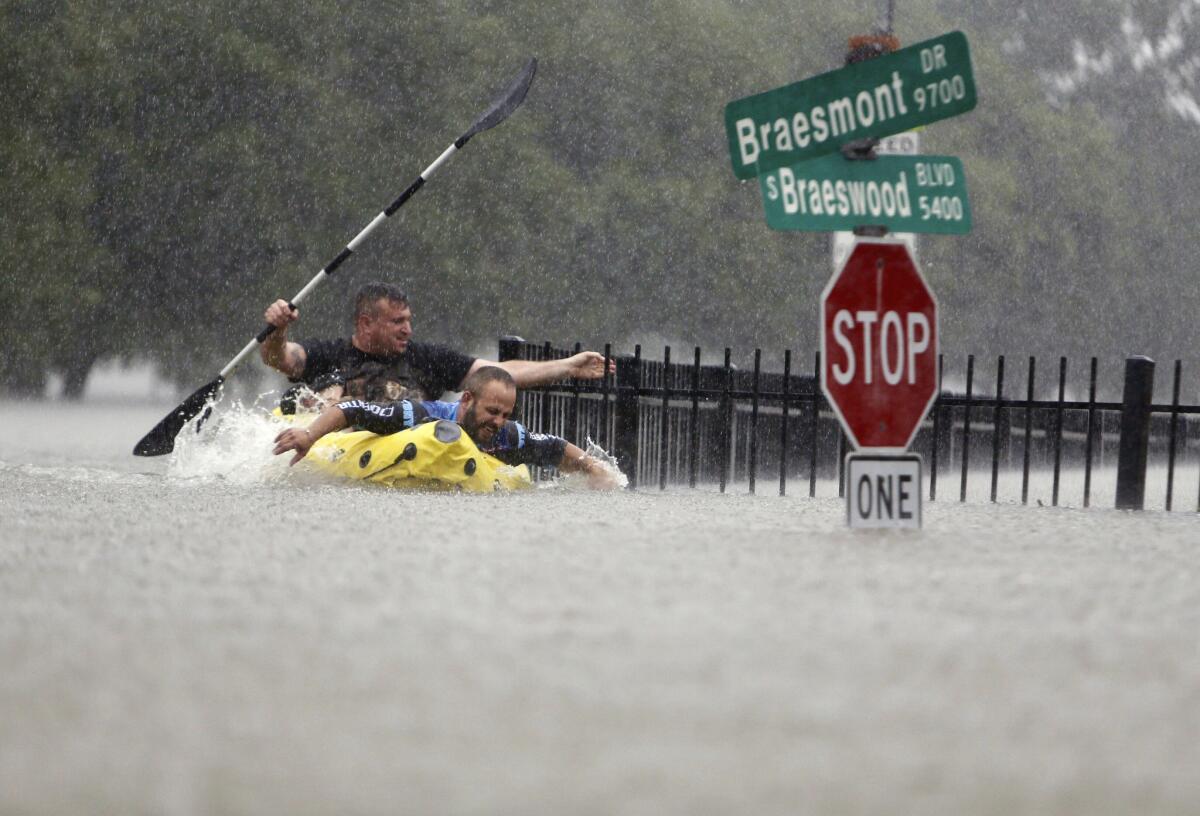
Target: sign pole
[814, 146]
[879, 350]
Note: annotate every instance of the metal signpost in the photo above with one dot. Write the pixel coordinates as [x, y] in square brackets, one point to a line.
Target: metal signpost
[914, 86]
[815, 148]
[901, 144]
[926, 194]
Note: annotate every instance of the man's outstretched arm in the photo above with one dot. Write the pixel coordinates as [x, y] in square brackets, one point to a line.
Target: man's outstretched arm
[575, 460]
[376, 417]
[300, 440]
[586, 365]
[546, 450]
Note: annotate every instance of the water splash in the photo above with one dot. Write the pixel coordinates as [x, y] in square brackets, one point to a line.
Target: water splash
[233, 445]
[579, 481]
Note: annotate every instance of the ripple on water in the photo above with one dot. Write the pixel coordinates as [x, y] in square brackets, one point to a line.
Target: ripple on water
[76, 473]
[1003, 659]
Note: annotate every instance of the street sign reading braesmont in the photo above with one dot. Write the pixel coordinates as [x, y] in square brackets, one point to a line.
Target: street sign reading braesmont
[903, 193]
[914, 86]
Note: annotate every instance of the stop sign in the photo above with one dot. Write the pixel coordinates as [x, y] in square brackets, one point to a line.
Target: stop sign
[879, 345]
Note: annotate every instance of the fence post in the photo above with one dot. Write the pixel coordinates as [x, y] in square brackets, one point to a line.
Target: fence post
[1135, 433]
[625, 417]
[510, 347]
[725, 424]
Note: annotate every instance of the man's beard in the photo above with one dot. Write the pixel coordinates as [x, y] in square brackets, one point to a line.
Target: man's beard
[473, 427]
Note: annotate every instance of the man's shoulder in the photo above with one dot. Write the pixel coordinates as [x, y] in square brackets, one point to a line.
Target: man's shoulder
[420, 350]
[442, 368]
[519, 435]
[440, 409]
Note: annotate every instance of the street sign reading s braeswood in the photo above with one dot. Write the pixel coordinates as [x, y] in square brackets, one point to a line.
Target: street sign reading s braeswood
[879, 345]
[925, 194]
[914, 86]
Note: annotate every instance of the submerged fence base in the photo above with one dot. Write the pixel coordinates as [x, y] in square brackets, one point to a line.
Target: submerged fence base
[1135, 433]
[686, 423]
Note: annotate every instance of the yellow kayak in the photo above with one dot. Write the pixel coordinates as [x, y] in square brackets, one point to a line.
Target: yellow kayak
[435, 455]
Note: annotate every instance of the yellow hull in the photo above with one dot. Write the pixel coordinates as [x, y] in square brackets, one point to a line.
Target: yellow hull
[433, 456]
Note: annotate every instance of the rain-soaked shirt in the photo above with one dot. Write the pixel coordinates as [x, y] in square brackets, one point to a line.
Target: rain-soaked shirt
[424, 371]
[512, 444]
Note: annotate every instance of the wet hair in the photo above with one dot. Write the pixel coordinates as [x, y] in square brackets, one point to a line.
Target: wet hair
[372, 293]
[488, 374]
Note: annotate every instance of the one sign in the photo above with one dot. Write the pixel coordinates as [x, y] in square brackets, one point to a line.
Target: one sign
[899, 144]
[925, 194]
[879, 345]
[883, 491]
[890, 94]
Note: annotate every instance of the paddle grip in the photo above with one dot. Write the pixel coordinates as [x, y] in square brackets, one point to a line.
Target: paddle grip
[266, 332]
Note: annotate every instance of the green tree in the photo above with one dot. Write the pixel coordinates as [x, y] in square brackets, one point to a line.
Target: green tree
[170, 169]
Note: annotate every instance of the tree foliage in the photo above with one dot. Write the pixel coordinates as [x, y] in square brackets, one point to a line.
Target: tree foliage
[170, 168]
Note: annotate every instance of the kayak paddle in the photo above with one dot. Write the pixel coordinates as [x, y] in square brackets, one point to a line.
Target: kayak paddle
[161, 439]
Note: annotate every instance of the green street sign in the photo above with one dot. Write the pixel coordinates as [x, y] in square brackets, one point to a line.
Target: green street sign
[903, 193]
[914, 86]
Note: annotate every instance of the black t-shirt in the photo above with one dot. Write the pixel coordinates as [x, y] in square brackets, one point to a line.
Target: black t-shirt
[423, 371]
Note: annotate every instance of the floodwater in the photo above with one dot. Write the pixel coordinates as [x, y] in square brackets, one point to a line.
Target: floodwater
[211, 634]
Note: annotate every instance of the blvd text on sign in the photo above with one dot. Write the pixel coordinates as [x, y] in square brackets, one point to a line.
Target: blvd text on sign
[914, 86]
[926, 194]
[879, 345]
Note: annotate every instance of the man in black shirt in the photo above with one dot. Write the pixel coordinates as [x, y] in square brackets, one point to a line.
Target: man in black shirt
[381, 361]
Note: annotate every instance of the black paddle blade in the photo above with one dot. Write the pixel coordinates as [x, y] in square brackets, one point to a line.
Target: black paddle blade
[506, 104]
[161, 440]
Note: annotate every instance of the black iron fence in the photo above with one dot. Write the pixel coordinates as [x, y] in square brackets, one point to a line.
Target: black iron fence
[676, 422]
